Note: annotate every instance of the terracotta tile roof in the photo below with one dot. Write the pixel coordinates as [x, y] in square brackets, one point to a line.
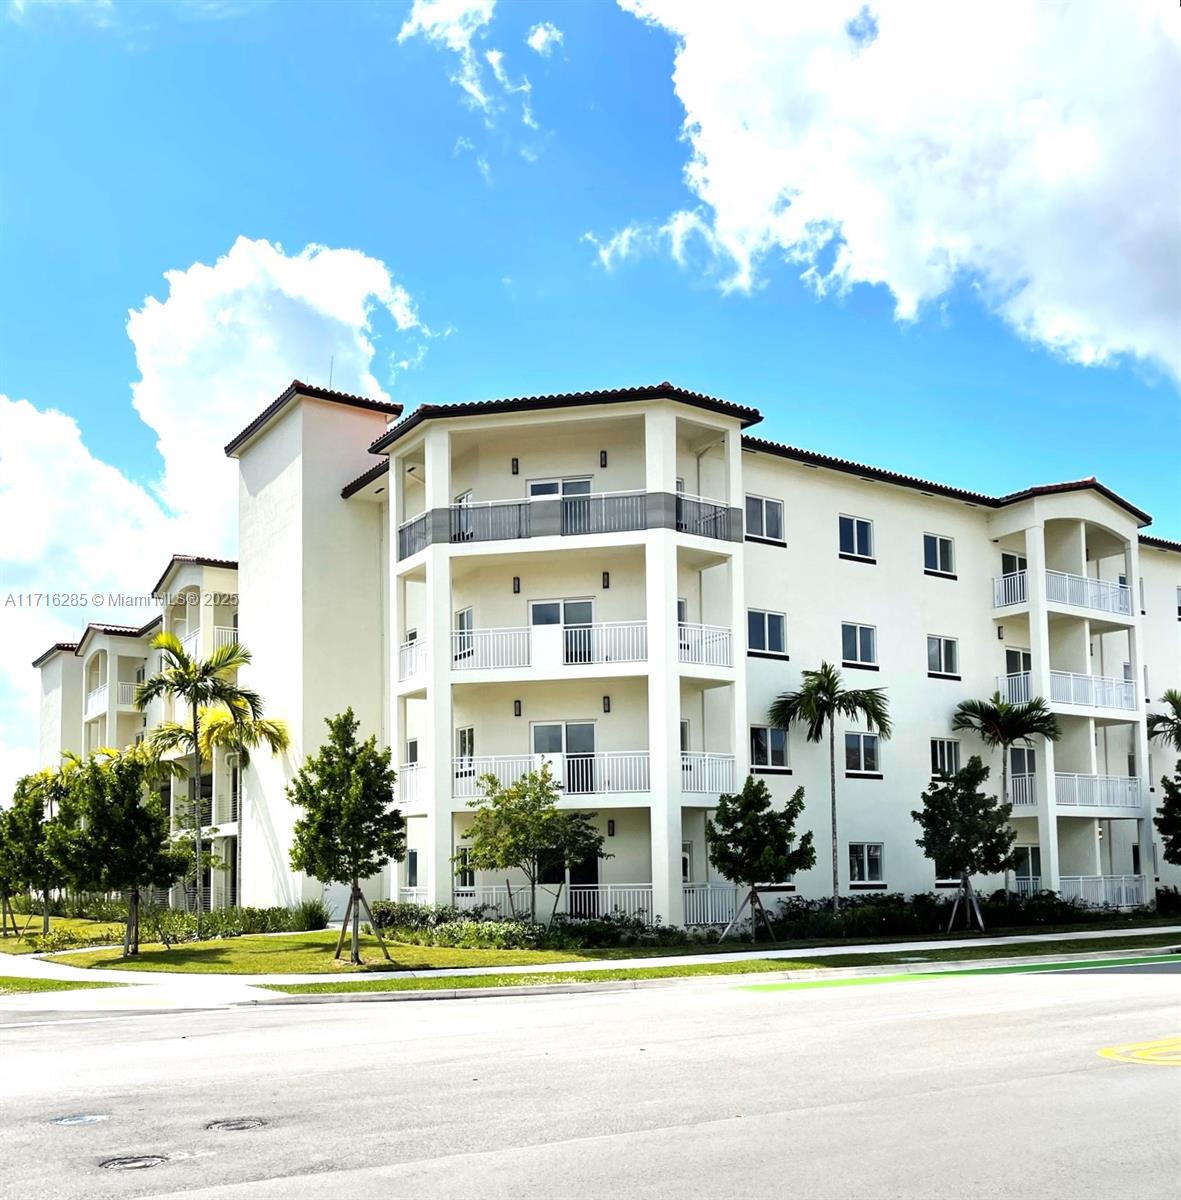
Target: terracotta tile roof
[1159, 543]
[299, 388]
[659, 391]
[351, 489]
[231, 563]
[54, 649]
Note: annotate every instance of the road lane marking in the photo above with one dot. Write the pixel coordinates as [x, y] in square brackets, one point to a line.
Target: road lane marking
[1163, 1052]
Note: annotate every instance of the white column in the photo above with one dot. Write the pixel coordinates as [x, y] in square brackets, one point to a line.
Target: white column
[664, 714]
[1039, 682]
[1144, 826]
[740, 715]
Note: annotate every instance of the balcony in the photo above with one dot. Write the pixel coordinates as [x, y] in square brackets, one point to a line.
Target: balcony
[1010, 589]
[705, 645]
[125, 694]
[224, 635]
[1098, 791]
[412, 784]
[710, 903]
[1103, 891]
[96, 701]
[578, 774]
[489, 520]
[1092, 691]
[1081, 591]
[705, 518]
[710, 774]
[549, 646]
[414, 535]
[578, 900]
[1015, 688]
[1027, 885]
[1022, 791]
[605, 512]
[190, 643]
[411, 659]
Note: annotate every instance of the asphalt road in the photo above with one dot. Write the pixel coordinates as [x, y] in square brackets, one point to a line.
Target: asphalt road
[964, 1087]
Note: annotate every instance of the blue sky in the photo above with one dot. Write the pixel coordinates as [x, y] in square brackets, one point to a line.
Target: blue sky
[149, 138]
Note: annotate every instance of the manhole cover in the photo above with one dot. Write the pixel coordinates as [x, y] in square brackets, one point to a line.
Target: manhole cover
[133, 1162]
[235, 1124]
[79, 1119]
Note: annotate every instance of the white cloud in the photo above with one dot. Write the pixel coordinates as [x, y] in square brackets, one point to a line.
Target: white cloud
[220, 345]
[453, 24]
[545, 38]
[912, 144]
[99, 13]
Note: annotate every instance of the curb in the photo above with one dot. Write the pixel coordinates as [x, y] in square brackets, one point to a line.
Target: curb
[734, 980]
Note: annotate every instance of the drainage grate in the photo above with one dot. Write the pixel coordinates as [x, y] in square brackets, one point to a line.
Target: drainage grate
[80, 1119]
[235, 1124]
[133, 1162]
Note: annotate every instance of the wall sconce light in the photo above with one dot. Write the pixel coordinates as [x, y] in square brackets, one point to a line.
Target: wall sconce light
[516, 585]
[602, 458]
[516, 708]
[606, 703]
[606, 579]
[516, 465]
[610, 827]
[1000, 633]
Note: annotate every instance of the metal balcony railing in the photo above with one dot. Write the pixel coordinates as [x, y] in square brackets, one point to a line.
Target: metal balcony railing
[1081, 591]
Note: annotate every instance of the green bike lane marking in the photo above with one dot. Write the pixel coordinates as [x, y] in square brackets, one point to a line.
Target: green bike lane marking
[912, 976]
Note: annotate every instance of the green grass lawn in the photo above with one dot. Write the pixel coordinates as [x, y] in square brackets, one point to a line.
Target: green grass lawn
[748, 967]
[32, 925]
[10, 986]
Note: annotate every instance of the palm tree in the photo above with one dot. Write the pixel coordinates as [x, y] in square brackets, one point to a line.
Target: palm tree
[817, 705]
[1166, 726]
[200, 683]
[1002, 725]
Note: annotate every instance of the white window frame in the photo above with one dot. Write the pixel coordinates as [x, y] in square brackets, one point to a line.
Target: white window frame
[761, 533]
[944, 671]
[560, 483]
[940, 539]
[864, 857]
[411, 759]
[859, 662]
[855, 553]
[862, 736]
[765, 648]
[940, 755]
[1020, 562]
[770, 764]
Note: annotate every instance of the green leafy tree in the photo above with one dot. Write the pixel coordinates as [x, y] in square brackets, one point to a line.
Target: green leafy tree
[1168, 818]
[350, 828]
[9, 883]
[125, 831]
[1166, 726]
[201, 684]
[965, 832]
[519, 827]
[43, 836]
[820, 702]
[752, 842]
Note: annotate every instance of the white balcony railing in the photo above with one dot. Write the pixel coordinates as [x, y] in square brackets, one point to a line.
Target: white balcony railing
[1015, 688]
[705, 645]
[607, 642]
[96, 701]
[709, 773]
[1010, 589]
[1092, 691]
[412, 785]
[710, 903]
[579, 900]
[1027, 885]
[488, 649]
[1103, 891]
[1081, 591]
[414, 895]
[224, 635]
[578, 774]
[411, 659]
[1022, 790]
[1097, 791]
[125, 696]
[190, 643]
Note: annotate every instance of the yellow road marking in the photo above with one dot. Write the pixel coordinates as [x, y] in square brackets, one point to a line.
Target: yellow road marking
[1164, 1052]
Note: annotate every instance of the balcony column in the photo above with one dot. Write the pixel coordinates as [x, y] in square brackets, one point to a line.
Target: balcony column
[111, 721]
[660, 455]
[437, 466]
[438, 732]
[664, 731]
[738, 709]
[1039, 685]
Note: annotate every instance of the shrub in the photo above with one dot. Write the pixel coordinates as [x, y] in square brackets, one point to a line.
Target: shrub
[394, 914]
[311, 914]
[1168, 902]
[616, 929]
[60, 939]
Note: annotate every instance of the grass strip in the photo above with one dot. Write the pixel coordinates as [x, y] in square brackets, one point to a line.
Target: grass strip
[15, 985]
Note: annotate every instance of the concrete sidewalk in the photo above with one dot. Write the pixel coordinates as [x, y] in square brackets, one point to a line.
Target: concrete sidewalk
[188, 990]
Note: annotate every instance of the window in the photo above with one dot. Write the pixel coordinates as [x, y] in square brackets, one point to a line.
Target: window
[768, 747]
[540, 488]
[943, 657]
[465, 751]
[765, 632]
[1178, 603]
[865, 862]
[1017, 662]
[859, 645]
[944, 874]
[1012, 563]
[1135, 859]
[945, 758]
[938, 554]
[764, 518]
[464, 641]
[1021, 761]
[465, 876]
[861, 754]
[686, 862]
[412, 868]
[1027, 865]
[856, 538]
[411, 752]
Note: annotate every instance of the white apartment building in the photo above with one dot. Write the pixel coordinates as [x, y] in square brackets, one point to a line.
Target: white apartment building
[621, 583]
